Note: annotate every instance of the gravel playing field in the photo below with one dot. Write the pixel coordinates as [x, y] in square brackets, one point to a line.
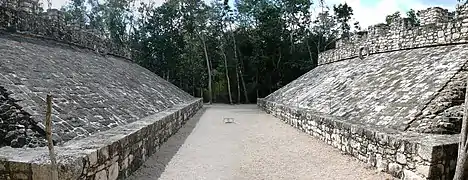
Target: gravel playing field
[255, 146]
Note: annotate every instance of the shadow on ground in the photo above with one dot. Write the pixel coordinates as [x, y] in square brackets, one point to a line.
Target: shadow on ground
[155, 165]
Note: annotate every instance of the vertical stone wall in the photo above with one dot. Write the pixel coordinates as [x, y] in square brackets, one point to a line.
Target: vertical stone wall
[109, 155]
[24, 16]
[404, 155]
[17, 129]
[437, 28]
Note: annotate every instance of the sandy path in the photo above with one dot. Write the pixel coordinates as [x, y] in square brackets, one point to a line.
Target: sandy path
[256, 146]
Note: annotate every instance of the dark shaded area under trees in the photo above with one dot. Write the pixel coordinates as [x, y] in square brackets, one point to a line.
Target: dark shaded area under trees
[236, 54]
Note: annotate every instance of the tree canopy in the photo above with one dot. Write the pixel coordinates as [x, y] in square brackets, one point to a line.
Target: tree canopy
[228, 51]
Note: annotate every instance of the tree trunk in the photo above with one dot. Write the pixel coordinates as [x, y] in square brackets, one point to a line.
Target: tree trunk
[193, 86]
[245, 88]
[462, 148]
[256, 83]
[208, 66]
[310, 52]
[226, 72]
[238, 84]
[237, 66]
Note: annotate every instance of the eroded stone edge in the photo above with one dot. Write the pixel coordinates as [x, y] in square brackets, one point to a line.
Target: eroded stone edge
[406, 155]
[112, 154]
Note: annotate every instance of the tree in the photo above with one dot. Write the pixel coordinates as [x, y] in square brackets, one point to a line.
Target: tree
[343, 14]
[390, 18]
[413, 18]
[75, 13]
[210, 50]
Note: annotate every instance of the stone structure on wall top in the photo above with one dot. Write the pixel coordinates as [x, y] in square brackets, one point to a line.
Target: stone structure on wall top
[27, 17]
[437, 27]
[391, 96]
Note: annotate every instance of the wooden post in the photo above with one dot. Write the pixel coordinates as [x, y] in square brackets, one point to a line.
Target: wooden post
[462, 147]
[48, 126]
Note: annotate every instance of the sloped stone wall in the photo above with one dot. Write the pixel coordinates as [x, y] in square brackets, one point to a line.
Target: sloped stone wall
[387, 90]
[17, 129]
[91, 93]
[109, 155]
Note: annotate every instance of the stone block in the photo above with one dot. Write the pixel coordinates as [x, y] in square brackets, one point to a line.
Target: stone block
[2, 166]
[410, 175]
[113, 172]
[101, 175]
[423, 169]
[380, 163]
[401, 158]
[103, 155]
[425, 152]
[19, 167]
[40, 172]
[20, 176]
[93, 158]
[395, 169]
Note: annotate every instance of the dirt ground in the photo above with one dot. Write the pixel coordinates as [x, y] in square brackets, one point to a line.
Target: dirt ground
[255, 146]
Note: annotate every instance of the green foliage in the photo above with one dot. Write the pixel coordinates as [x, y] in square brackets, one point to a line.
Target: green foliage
[343, 14]
[413, 17]
[390, 18]
[258, 45]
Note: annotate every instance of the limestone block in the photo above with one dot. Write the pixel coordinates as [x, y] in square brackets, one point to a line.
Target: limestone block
[113, 172]
[410, 175]
[401, 158]
[464, 30]
[394, 169]
[103, 154]
[124, 164]
[371, 160]
[440, 34]
[381, 163]
[19, 167]
[422, 169]
[2, 166]
[40, 172]
[20, 176]
[424, 152]
[93, 159]
[101, 175]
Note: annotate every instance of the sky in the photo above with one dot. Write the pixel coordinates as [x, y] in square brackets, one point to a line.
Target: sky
[367, 12]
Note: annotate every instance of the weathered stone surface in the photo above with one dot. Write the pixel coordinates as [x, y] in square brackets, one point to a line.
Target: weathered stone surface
[17, 129]
[436, 28]
[113, 172]
[395, 169]
[410, 175]
[90, 92]
[386, 90]
[379, 147]
[101, 175]
[128, 144]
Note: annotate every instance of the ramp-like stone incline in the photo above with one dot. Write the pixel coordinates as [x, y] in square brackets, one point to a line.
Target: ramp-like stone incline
[387, 90]
[392, 96]
[91, 92]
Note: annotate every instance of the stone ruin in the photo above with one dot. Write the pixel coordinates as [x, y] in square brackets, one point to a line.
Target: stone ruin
[109, 114]
[26, 17]
[392, 96]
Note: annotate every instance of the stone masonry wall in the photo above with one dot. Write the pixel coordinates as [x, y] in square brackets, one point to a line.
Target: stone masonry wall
[17, 129]
[404, 155]
[21, 17]
[109, 155]
[437, 28]
[91, 93]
